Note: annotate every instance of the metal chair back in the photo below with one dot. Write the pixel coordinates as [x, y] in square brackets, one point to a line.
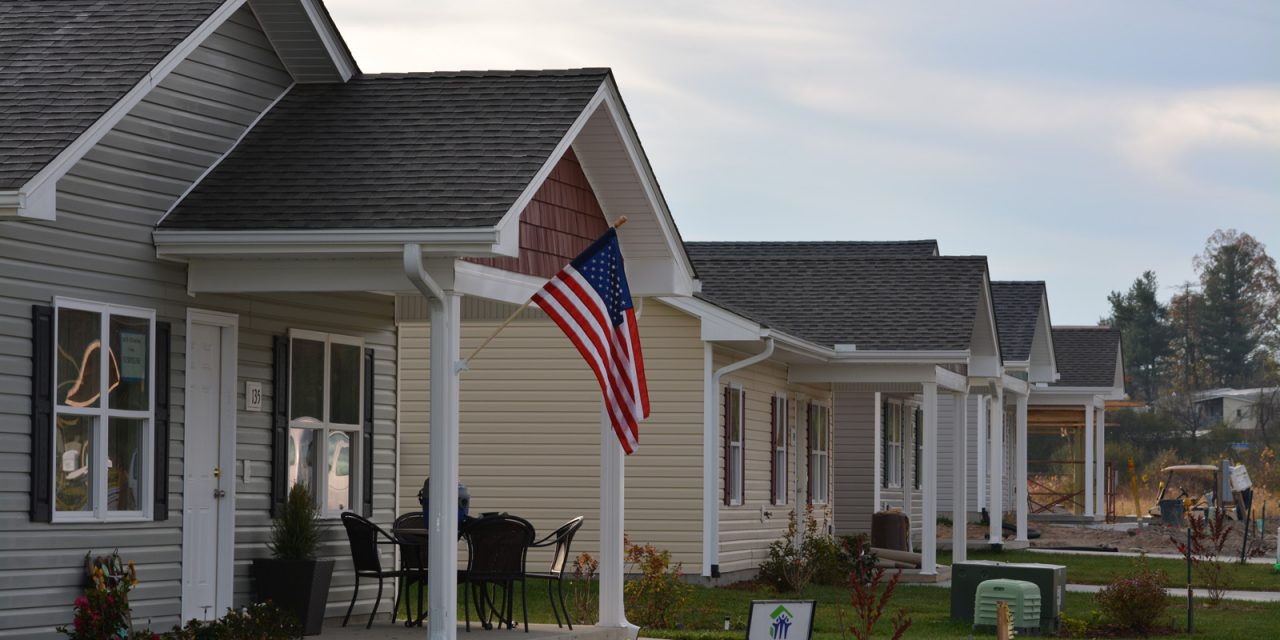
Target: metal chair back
[563, 538]
[363, 538]
[498, 546]
[413, 546]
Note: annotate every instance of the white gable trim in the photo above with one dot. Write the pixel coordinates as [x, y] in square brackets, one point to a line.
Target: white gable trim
[332, 41]
[37, 198]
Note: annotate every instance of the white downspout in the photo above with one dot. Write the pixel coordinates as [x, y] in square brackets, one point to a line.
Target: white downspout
[711, 454]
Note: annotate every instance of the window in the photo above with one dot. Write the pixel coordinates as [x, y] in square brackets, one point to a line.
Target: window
[892, 435]
[104, 411]
[735, 440]
[326, 396]
[819, 446]
[781, 436]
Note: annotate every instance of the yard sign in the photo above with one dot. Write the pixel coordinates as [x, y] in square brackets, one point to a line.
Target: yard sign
[780, 620]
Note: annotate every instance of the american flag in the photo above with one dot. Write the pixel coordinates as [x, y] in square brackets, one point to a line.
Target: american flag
[591, 302]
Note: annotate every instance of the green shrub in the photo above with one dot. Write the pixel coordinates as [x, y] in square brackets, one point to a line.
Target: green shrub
[262, 621]
[818, 558]
[295, 535]
[1135, 601]
[659, 597]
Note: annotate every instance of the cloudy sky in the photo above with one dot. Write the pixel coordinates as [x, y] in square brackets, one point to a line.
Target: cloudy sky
[1073, 142]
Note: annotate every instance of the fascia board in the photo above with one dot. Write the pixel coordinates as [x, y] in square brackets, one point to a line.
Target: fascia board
[716, 324]
[328, 33]
[1014, 385]
[178, 244]
[41, 189]
[901, 357]
[495, 284]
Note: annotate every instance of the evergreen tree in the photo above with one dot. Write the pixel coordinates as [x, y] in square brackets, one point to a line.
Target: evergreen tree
[1145, 333]
[1241, 290]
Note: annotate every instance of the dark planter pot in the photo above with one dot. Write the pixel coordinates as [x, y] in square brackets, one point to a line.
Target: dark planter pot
[300, 586]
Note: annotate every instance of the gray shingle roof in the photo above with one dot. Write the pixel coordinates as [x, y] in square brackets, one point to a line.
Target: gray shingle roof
[1086, 356]
[63, 64]
[874, 303]
[421, 150]
[1017, 307]
[832, 249]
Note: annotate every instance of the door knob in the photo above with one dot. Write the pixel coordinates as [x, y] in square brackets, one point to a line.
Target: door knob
[219, 493]
[217, 472]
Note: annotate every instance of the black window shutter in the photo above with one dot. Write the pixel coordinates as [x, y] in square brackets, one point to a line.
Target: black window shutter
[160, 492]
[41, 413]
[810, 436]
[280, 427]
[884, 444]
[919, 435]
[366, 434]
[728, 451]
[773, 451]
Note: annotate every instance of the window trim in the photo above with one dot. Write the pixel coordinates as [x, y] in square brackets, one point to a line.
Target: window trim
[737, 484]
[781, 449]
[102, 415]
[815, 409]
[355, 453]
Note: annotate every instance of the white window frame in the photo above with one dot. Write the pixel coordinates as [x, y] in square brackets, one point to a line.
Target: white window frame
[102, 415]
[355, 456]
[893, 449]
[737, 450]
[819, 459]
[781, 441]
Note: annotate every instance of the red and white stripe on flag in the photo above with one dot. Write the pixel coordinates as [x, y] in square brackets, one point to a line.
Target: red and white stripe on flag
[575, 302]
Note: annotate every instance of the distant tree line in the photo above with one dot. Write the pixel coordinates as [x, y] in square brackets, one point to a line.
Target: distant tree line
[1218, 332]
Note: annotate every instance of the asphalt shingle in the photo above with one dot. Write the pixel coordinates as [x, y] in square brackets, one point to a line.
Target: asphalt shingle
[392, 151]
[1086, 356]
[816, 249]
[63, 64]
[1017, 308]
[874, 303]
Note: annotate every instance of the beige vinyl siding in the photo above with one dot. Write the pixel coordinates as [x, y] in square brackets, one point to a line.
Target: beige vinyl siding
[746, 530]
[530, 428]
[854, 460]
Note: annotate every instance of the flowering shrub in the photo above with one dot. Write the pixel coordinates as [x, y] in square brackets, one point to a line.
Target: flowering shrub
[658, 597]
[584, 595]
[1135, 601]
[102, 612]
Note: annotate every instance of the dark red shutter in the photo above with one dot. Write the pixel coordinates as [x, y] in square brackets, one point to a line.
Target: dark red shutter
[884, 444]
[41, 413]
[366, 438]
[742, 446]
[919, 435]
[160, 493]
[773, 451]
[280, 427]
[728, 453]
[808, 459]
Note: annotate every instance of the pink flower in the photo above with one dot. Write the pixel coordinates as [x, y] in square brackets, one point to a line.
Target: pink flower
[82, 601]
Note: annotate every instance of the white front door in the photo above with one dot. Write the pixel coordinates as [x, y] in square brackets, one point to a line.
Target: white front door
[208, 465]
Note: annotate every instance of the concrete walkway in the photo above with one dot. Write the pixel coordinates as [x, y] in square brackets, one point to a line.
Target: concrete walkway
[1134, 554]
[1246, 596]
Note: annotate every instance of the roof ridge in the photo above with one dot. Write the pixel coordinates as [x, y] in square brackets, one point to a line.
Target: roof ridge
[489, 73]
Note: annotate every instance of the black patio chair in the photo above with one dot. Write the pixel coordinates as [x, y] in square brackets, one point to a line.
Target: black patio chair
[413, 562]
[364, 537]
[561, 538]
[498, 546]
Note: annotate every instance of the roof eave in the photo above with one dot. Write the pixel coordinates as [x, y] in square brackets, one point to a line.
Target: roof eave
[22, 205]
[179, 244]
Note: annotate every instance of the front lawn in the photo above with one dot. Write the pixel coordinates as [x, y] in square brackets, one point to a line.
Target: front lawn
[1098, 569]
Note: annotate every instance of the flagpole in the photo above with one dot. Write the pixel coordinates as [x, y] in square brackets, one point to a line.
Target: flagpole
[511, 318]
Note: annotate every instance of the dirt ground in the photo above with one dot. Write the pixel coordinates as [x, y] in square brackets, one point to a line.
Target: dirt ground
[1150, 538]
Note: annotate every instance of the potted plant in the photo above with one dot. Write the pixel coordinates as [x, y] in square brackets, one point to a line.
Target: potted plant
[293, 579]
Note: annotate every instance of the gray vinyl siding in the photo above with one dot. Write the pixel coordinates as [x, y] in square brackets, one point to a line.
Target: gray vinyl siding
[99, 248]
[946, 424]
[854, 461]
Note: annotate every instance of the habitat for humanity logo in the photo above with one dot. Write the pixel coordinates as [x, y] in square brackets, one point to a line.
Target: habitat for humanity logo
[781, 623]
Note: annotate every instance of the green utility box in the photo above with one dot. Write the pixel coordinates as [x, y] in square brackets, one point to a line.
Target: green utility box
[1023, 598]
[1050, 578]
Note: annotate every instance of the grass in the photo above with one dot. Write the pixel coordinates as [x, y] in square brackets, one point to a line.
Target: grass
[930, 610]
[1098, 569]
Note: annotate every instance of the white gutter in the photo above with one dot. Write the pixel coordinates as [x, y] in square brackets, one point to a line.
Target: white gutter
[417, 274]
[710, 454]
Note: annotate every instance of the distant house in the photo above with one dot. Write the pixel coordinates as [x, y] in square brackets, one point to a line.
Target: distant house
[1067, 423]
[1236, 408]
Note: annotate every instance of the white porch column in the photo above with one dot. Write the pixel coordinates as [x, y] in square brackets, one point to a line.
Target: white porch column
[1088, 460]
[1100, 462]
[710, 465]
[929, 478]
[959, 478]
[995, 467]
[612, 563]
[442, 521]
[1022, 488]
[981, 448]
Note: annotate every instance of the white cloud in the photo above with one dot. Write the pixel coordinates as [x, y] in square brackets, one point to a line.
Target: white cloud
[1164, 133]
